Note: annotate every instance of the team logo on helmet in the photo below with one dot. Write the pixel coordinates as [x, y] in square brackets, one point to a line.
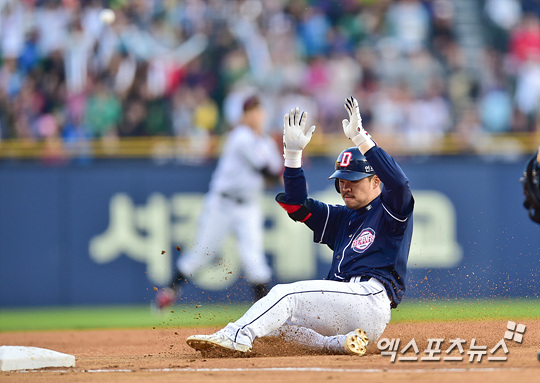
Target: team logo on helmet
[364, 240]
[345, 159]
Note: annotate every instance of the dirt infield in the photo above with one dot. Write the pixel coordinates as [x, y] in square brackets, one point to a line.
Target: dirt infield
[161, 355]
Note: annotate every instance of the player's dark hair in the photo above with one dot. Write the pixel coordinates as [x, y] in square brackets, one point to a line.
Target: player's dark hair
[251, 102]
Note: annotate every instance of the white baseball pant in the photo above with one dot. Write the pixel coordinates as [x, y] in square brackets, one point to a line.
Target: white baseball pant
[219, 217]
[315, 313]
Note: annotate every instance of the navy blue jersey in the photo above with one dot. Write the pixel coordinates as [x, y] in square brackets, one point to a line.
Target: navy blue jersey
[373, 240]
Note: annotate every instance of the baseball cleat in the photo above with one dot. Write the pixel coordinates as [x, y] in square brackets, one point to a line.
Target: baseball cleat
[215, 341]
[356, 342]
[164, 298]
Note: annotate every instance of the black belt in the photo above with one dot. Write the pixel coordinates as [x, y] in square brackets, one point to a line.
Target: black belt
[238, 200]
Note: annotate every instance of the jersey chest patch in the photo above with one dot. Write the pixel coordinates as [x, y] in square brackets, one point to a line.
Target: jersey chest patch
[364, 240]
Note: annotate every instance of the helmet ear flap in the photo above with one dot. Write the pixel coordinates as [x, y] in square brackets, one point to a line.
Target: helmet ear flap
[336, 184]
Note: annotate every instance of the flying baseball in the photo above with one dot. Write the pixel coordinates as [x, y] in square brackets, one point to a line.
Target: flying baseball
[107, 16]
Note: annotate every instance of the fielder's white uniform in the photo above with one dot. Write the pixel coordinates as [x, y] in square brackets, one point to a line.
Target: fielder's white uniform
[233, 204]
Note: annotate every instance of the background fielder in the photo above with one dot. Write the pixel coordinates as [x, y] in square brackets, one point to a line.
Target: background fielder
[232, 205]
[370, 237]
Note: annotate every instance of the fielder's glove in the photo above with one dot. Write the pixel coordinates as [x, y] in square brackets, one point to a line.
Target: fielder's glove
[295, 137]
[353, 127]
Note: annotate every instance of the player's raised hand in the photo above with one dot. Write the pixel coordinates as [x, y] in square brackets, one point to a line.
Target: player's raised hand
[353, 128]
[295, 136]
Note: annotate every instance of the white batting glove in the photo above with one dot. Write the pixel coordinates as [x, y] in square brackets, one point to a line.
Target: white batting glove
[295, 137]
[353, 127]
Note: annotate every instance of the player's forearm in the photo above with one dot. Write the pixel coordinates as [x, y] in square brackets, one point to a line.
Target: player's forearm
[386, 168]
[395, 182]
[295, 185]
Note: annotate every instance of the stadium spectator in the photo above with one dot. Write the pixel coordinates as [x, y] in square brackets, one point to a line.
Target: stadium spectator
[525, 39]
[103, 111]
[386, 52]
[409, 23]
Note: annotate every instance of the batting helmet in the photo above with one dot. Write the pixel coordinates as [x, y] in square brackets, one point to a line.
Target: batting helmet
[531, 188]
[351, 165]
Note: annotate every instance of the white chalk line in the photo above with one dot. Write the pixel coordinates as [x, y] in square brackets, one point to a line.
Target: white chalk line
[293, 369]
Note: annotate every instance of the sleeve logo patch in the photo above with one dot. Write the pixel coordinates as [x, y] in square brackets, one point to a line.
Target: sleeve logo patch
[364, 240]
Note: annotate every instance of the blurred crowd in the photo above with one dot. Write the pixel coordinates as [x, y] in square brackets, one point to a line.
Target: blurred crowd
[181, 67]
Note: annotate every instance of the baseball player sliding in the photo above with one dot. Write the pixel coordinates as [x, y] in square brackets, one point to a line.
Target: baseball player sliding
[370, 237]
